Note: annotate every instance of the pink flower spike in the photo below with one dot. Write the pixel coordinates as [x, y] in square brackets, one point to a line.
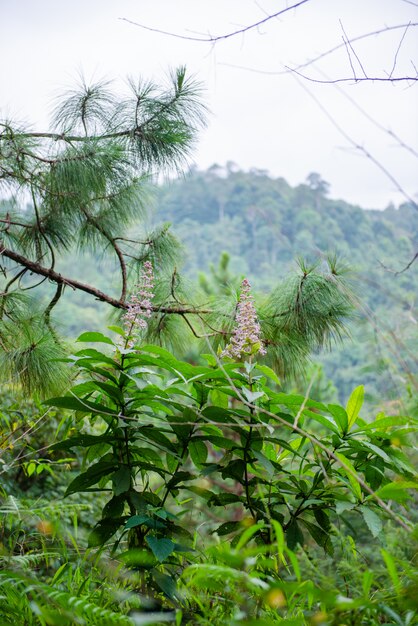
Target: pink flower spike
[140, 305]
[246, 337]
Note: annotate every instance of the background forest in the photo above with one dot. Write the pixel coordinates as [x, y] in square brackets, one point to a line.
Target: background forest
[264, 225]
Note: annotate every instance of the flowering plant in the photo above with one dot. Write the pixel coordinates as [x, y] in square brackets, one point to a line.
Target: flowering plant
[245, 340]
[139, 306]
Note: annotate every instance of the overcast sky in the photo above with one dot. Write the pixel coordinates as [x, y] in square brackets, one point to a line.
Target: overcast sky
[264, 120]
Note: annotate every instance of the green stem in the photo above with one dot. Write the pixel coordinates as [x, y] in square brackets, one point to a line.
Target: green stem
[125, 429]
[247, 456]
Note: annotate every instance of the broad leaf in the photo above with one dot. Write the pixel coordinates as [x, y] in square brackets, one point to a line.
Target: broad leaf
[198, 452]
[121, 480]
[93, 337]
[161, 548]
[91, 477]
[372, 520]
[348, 469]
[340, 416]
[103, 531]
[354, 404]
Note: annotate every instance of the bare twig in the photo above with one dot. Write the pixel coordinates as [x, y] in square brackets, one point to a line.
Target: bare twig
[357, 146]
[372, 119]
[396, 273]
[350, 45]
[214, 39]
[301, 66]
[397, 50]
[370, 79]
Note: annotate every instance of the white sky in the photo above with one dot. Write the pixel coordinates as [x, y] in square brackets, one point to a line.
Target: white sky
[257, 120]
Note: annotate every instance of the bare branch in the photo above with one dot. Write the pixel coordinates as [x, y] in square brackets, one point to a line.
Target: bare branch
[301, 66]
[370, 79]
[214, 39]
[54, 276]
[414, 4]
[397, 50]
[396, 273]
[372, 120]
[357, 146]
[349, 43]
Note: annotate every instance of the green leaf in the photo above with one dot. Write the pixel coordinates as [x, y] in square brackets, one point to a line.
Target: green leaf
[372, 520]
[221, 442]
[223, 499]
[248, 534]
[112, 391]
[396, 490]
[354, 404]
[264, 462]
[294, 535]
[91, 477]
[181, 429]
[178, 478]
[342, 505]
[198, 452]
[374, 473]
[155, 435]
[340, 416]
[321, 536]
[210, 359]
[387, 422]
[252, 396]
[218, 414]
[268, 372]
[95, 355]
[391, 567]
[144, 520]
[234, 470]
[227, 528]
[166, 583]
[76, 404]
[103, 531]
[121, 480]
[93, 337]
[351, 474]
[218, 398]
[117, 329]
[114, 507]
[83, 441]
[321, 517]
[328, 422]
[161, 548]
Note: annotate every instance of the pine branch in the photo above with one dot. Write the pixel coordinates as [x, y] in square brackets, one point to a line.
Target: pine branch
[51, 274]
[115, 247]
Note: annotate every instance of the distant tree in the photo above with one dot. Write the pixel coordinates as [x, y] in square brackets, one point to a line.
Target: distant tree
[317, 184]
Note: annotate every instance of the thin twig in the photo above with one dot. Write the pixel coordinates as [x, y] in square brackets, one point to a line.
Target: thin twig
[398, 48]
[214, 39]
[396, 273]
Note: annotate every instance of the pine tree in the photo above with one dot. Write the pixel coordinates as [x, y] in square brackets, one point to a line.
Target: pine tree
[86, 182]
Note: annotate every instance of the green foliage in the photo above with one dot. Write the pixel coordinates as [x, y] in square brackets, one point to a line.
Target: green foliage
[168, 444]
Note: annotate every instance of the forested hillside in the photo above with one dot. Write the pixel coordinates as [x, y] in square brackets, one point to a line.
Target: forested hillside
[264, 224]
